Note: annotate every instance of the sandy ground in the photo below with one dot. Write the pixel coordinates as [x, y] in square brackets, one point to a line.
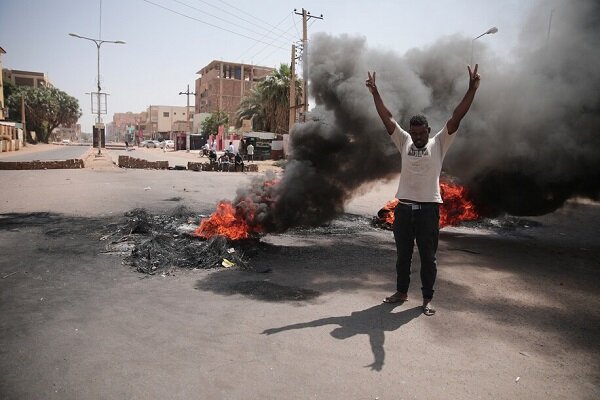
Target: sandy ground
[517, 305]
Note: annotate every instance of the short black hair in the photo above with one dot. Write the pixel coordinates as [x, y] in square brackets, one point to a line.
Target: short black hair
[419, 120]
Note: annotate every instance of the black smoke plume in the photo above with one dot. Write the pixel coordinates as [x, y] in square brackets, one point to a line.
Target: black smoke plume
[530, 141]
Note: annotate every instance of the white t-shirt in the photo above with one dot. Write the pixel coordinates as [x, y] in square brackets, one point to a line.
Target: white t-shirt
[250, 150]
[421, 168]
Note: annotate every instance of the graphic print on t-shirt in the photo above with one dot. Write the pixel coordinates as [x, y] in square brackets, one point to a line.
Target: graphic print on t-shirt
[415, 152]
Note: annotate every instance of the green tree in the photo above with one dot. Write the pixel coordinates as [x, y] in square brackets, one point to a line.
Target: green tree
[8, 88]
[251, 107]
[269, 103]
[45, 109]
[210, 126]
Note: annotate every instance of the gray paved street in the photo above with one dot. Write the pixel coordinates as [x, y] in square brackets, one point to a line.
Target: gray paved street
[49, 153]
[517, 307]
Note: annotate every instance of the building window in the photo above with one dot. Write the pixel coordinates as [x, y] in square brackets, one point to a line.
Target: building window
[166, 114]
[19, 81]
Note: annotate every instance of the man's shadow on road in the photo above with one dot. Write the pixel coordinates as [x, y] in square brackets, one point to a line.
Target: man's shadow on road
[374, 321]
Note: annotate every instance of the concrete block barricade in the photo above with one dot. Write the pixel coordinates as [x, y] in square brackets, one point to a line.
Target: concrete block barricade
[137, 163]
[194, 166]
[62, 164]
[9, 138]
[198, 166]
[8, 145]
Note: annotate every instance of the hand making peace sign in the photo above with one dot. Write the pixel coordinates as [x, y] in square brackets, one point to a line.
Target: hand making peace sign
[474, 77]
[370, 82]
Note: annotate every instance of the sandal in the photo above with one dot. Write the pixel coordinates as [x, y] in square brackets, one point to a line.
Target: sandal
[397, 297]
[428, 309]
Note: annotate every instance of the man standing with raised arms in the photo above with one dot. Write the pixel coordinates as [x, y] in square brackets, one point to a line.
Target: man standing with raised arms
[417, 214]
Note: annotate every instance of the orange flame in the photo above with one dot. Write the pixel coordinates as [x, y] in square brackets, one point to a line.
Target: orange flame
[386, 214]
[456, 207]
[225, 221]
[238, 221]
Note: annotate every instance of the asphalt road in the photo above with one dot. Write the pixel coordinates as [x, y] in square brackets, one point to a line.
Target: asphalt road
[49, 153]
[517, 305]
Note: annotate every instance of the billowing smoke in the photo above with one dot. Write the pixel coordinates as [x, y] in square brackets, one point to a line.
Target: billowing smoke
[530, 141]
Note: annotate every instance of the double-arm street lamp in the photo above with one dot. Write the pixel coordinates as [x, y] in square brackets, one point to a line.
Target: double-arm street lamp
[98, 43]
[488, 32]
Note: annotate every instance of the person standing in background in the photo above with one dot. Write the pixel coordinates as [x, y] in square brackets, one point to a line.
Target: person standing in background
[250, 151]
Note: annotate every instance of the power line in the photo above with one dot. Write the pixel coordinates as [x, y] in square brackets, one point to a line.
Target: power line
[225, 20]
[236, 16]
[295, 26]
[268, 55]
[209, 24]
[265, 57]
[263, 49]
[247, 13]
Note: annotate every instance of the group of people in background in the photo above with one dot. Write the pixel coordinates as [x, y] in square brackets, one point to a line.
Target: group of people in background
[229, 159]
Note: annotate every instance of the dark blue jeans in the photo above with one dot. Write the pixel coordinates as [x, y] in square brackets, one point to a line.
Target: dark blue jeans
[422, 225]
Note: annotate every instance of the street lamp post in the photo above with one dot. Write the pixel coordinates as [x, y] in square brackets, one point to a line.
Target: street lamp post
[98, 43]
[488, 32]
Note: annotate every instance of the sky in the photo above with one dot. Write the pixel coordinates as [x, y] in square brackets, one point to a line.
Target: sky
[169, 41]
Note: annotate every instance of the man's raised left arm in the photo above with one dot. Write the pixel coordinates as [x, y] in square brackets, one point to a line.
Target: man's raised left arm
[461, 110]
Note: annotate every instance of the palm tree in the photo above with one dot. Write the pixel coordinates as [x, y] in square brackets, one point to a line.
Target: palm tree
[251, 108]
[269, 103]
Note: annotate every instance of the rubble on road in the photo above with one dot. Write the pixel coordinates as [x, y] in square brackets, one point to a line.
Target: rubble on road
[159, 243]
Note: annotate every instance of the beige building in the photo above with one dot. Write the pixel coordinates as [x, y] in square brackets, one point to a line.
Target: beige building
[222, 85]
[25, 78]
[19, 78]
[125, 124]
[163, 121]
[157, 122]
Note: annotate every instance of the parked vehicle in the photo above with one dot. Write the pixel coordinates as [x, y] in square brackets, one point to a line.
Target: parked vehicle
[149, 144]
[170, 144]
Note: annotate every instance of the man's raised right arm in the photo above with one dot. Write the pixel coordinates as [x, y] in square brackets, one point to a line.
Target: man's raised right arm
[384, 113]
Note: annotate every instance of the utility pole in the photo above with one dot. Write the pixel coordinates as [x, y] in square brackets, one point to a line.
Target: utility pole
[187, 137]
[292, 91]
[305, 17]
[23, 121]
